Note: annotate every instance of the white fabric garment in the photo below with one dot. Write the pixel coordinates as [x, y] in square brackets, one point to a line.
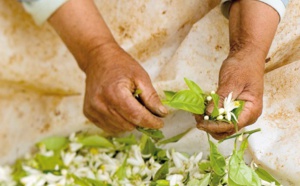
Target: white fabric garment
[41, 10]
[42, 88]
[278, 5]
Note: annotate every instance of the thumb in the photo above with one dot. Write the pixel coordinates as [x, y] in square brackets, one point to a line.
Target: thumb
[150, 98]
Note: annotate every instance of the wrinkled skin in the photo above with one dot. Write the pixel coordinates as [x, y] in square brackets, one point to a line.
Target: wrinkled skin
[245, 80]
[112, 78]
[242, 72]
[112, 75]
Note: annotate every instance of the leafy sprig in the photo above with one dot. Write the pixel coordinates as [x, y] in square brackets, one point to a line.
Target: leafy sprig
[236, 172]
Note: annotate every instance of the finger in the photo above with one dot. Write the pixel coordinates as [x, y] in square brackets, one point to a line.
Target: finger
[214, 126]
[104, 126]
[219, 136]
[249, 114]
[113, 119]
[151, 99]
[136, 113]
[121, 121]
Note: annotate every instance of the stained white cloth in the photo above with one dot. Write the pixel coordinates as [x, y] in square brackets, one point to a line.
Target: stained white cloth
[42, 88]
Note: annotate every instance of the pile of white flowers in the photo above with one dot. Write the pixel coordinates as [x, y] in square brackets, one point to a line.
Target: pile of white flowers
[93, 160]
[77, 161]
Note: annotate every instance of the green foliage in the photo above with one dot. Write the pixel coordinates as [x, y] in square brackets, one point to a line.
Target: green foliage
[121, 172]
[162, 172]
[152, 133]
[174, 138]
[54, 143]
[193, 86]
[128, 140]
[95, 141]
[217, 160]
[264, 175]
[191, 100]
[215, 112]
[187, 100]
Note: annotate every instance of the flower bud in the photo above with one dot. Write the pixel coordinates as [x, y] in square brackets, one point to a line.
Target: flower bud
[221, 110]
[208, 98]
[220, 117]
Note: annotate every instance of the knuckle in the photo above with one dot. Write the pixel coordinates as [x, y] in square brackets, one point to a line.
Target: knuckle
[136, 117]
[152, 97]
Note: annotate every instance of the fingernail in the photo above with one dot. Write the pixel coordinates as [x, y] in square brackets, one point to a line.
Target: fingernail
[163, 110]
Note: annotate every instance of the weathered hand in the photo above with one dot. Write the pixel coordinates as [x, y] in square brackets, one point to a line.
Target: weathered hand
[243, 77]
[112, 78]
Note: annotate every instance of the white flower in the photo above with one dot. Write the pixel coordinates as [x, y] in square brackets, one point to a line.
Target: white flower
[206, 117]
[212, 92]
[68, 157]
[5, 176]
[33, 180]
[175, 179]
[230, 105]
[136, 158]
[179, 159]
[75, 146]
[265, 183]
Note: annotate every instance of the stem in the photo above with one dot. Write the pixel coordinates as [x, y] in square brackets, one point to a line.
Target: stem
[237, 135]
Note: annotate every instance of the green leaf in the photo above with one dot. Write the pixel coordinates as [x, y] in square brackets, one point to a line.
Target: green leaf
[215, 112]
[169, 94]
[147, 146]
[80, 181]
[187, 100]
[217, 160]
[95, 141]
[238, 110]
[137, 92]
[264, 175]
[204, 167]
[205, 180]
[243, 147]
[46, 163]
[162, 172]
[121, 172]
[95, 182]
[128, 140]
[237, 135]
[174, 138]
[232, 183]
[152, 133]
[18, 171]
[162, 183]
[193, 86]
[239, 172]
[162, 155]
[256, 181]
[194, 182]
[215, 179]
[54, 143]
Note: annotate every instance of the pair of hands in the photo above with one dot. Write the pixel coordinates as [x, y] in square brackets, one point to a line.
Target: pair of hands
[113, 76]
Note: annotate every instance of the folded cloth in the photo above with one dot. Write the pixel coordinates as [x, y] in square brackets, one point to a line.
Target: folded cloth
[278, 5]
[41, 10]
